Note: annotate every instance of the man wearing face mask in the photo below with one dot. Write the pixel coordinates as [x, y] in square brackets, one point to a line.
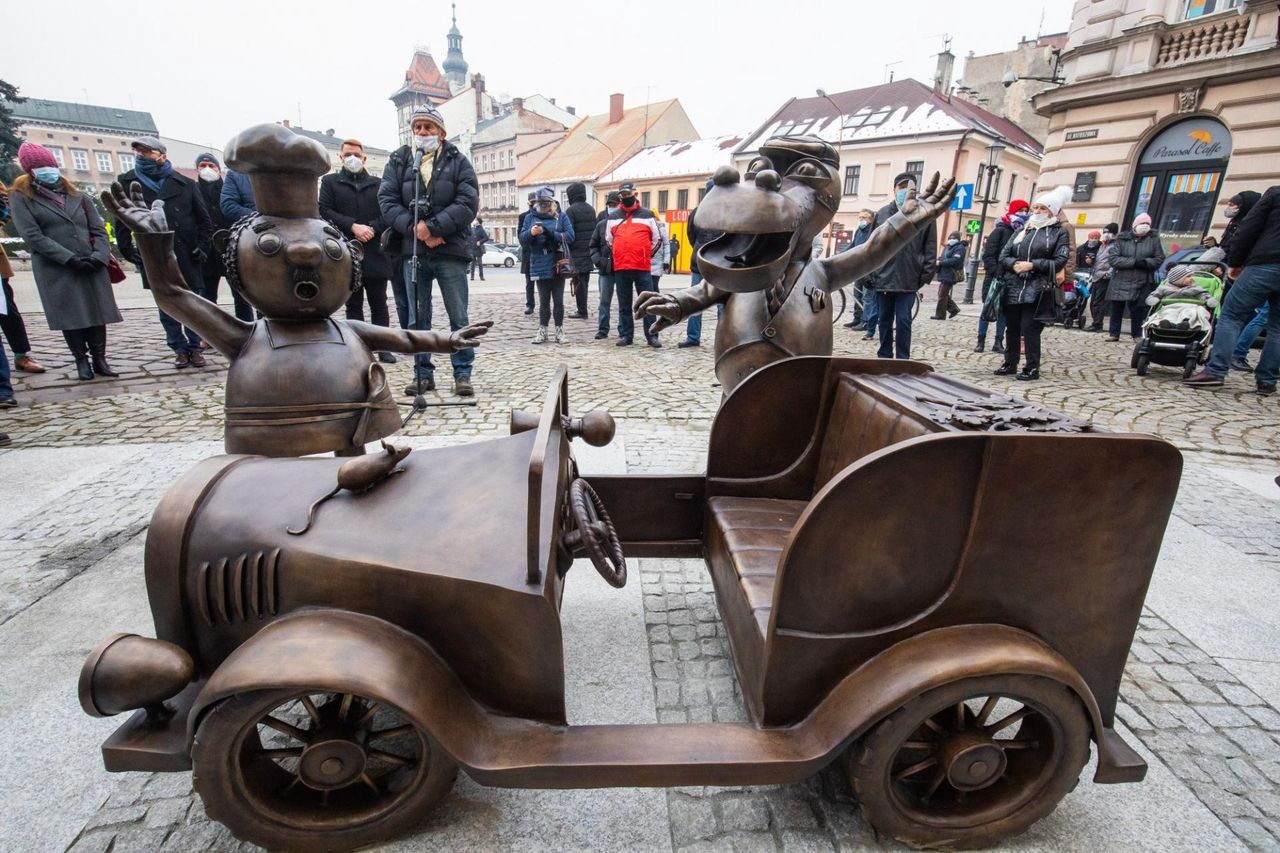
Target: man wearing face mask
[633, 236]
[189, 219]
[1099, 306]
[602, 260]
[349, 200]
[429, 195]
[903, 275]
[1134, 259]
[864, 295]
[210, 185]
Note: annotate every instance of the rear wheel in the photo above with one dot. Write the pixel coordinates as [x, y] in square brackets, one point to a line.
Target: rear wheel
[508, 262]
[1137, 351]
[316, 770]
[1144, 361]
[971, 763]
[1192, 362]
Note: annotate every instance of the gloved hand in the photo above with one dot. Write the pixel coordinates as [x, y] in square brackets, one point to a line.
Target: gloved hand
[82, 264]
[98, 263]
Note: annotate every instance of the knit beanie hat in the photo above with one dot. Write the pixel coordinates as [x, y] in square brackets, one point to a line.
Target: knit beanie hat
[906, 176]
[1095, 235]
[1142, 219]
[207, 158]
[1055, 198]
[1017, 206]
[430, 113]
[1177, 273]
[32, 156]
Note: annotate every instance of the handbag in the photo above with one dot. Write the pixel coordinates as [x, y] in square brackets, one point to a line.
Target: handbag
[991, 305]
[115, 272]
[564, 259]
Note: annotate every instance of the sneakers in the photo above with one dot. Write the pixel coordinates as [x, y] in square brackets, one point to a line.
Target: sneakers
[859, 326]
[27, 364]
[688, 343]
[386, 358]
[953, 311]
[560, 338]
[462, 387]
[528, 311]
[196, 359]
[181, 360]
[600, 336]
[420, 386]
[1238, 363]
[541, 337]
[1112, 339]
[1204, 379]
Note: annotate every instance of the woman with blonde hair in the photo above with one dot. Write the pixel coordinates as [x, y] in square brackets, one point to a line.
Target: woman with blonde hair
[69, 253]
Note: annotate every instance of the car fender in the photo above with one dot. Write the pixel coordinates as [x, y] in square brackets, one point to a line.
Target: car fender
[341, 651]
[935, 658]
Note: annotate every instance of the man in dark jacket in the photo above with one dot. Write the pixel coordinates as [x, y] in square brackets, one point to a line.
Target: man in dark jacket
[209, 170]
[582, 216]
[349, 200]
[429, 195]
[863, 314]
[1254, 256]
[1101, 278]
[479, 237]
[193, 234]
[524, 258]
[898, 281]
[602, 260]
[1009, 224]
[950, 266]
[237, 197]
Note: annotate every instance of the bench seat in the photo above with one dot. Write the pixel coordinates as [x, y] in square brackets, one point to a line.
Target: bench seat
[744, 542]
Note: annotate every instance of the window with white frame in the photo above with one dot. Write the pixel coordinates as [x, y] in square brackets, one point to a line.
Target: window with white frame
[104, 160]
[126, 161]
[57, 155]
[1200, 8]
[80, 158]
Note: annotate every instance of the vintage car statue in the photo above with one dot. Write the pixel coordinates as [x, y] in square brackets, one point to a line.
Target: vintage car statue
[328, 655]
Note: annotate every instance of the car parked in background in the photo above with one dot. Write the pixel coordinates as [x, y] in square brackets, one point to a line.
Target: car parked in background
[496, 256]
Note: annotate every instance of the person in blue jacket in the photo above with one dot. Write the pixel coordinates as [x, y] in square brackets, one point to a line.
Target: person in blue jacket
[237, 196]
[540, 237]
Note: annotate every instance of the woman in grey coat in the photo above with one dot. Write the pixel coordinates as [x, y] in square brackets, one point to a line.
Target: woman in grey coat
[1134, 258]
[69, 253]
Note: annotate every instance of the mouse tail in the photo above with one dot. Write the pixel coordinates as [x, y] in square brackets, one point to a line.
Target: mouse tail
[311, 513]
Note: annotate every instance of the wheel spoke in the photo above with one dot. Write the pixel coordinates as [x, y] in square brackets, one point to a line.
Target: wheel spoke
[286, 752]
[284, 728]
[933, 727]
[373, 786]
[312, 711]
[915, 768]
[1018, 744]
[960, 712]
[987, 708]
[934, 784]
[398, 730]
[1016, 716]
[391, 757]
[917, 744]
[292, 782]
[367, 720]
[345, 707]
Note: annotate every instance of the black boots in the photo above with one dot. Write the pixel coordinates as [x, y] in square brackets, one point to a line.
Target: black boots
[83, 370]
[99, 362]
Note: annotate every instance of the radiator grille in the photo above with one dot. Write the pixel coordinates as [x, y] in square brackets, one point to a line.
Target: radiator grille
[236, 589]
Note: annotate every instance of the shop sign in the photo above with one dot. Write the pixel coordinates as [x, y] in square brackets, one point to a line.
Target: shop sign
[1083, 188]
[1076, 135]
[1189, 141]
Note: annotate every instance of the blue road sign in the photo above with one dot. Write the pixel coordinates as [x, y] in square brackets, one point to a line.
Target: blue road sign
[964, 197]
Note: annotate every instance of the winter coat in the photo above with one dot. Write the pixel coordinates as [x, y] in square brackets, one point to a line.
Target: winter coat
[448, 205]
[601, 254]
[1102, 265]
[993, 246]
[1087, 257]
[542, 248]
[1258, 239]
[951, 262]
[55, 234]
[634, 237]
[912, 267]
[479, 237]
[347, 200]
[1134, 261]
[237, 197]
[1248, 199]
[1069, 271]
[661, 257]
[524, 256]
[211, 194]
[583, 218]
[1045, 247]
[188, 220]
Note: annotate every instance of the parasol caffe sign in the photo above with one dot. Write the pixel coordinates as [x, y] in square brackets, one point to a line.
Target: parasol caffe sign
[1197, 139]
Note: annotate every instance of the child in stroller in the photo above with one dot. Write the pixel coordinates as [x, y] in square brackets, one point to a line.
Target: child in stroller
[1075, 299]
[1179, 329]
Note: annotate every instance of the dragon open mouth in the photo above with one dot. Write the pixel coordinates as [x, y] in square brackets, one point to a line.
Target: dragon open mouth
[742, 263]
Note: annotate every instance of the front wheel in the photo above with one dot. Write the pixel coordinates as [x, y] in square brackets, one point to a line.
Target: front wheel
[508, 263]
[316, 770]
[971, 763]
[1144, 361]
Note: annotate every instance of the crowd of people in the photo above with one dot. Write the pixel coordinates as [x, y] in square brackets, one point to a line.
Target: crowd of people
[419, 227]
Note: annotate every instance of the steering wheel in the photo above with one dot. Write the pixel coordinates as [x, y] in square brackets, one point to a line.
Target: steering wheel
[594, 533]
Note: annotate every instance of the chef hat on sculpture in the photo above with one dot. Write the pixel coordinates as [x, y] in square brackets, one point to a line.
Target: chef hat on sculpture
[282, 167]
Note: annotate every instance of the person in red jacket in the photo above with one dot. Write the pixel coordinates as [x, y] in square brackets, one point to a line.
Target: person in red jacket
[633, 236]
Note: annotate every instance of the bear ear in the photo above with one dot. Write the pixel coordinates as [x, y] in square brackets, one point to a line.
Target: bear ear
[220, 239]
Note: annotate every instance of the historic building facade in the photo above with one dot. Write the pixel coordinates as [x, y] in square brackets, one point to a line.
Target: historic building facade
[90, 142]
[1169, 108]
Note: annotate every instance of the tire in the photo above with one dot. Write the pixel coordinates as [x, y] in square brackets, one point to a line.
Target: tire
[265, 799]
[1137, 351]
[927, 809]
[838, 297]
[508, 262]
[1144, 361]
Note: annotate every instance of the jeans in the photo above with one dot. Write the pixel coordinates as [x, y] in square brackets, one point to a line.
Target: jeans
[1137, 313]
[859, 299]
[179, 337]
[550, 292]
[894, 308]
[870, 309]
[983, 323]
[606, 298]
[1258, 285]
[6, 389]
[451, 273]
[211, 275]
[693, 326]
[1250, 332]
[477, 264]
[628, 283]
[376, 290]
[398, 294]
[15, 331]
[1022, 326]
[581, 282]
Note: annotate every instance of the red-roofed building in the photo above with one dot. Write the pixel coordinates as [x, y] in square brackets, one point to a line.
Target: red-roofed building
[424, 83]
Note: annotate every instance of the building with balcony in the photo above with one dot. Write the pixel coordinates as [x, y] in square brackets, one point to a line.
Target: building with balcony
[1168, 108]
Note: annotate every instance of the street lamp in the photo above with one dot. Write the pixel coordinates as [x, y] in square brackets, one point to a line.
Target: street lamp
[992, 168]
[609, 147]
[822, 93]
[1010, 77]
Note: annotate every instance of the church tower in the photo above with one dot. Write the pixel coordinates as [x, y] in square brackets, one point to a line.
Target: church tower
[455, 67]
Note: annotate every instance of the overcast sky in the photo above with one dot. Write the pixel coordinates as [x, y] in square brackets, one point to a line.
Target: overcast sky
[731, 64]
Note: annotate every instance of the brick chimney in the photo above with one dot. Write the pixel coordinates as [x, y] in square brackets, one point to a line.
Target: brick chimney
[517, 104]
[942, 76]
[284, 122]
[573, 111]
[615, 108]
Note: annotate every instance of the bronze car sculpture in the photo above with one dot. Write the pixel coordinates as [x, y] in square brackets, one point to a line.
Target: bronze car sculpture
[326, 685]
[300, 381]
[760, 266]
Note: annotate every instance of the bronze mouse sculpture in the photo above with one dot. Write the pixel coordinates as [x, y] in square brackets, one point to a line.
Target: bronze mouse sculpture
[359, 475]
[760, 267]
[300, 381]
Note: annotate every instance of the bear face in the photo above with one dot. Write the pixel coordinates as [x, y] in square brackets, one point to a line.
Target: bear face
[294, 269]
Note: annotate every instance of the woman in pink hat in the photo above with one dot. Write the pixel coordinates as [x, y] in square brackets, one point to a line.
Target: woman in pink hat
[69, 253]
[1135, 256]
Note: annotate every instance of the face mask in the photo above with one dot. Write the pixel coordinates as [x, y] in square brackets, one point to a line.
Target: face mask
[352, 163]
[628, 200]
[1106, 236]
[901, 197]
[1092, 244]
[1230, 212]
[47, 175]
[951, 241]
[208, 173]
[1039, 220]
[863, 224]
[147, 167]
[428, 143]
[1141, 230]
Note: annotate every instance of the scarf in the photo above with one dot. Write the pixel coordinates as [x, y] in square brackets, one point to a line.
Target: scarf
[162, 172]
[58, 197]
[428, 163]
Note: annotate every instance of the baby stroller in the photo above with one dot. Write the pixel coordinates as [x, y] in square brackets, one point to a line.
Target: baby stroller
[1075, 299]
[1179, 331]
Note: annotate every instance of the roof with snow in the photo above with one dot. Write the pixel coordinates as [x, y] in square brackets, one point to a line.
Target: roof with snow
[424, 76]
[580, 158]
[83, 115]
[670, 159]
[903, 108]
